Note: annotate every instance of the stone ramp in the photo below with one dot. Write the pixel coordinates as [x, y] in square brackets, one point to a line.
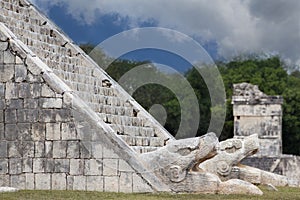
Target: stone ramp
[117, 109]
[61, 126]
[51, 139]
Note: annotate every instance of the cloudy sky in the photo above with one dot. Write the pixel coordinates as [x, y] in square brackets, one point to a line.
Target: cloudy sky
[225, 28]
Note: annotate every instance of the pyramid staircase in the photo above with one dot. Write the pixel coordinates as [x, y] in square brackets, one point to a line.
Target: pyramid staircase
[44, 71]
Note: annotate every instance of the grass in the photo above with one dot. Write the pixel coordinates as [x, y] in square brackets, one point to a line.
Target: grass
[283, 193]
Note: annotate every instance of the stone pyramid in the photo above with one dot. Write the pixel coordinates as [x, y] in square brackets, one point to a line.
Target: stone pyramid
[60, 127]
[63, 127]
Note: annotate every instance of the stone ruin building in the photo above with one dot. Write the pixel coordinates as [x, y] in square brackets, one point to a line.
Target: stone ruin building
[63, 127]
[256, 112]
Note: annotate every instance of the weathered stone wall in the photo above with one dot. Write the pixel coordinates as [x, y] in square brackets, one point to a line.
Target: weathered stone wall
[128, 119]
[287, 165]
[46, 139]
[255, 112]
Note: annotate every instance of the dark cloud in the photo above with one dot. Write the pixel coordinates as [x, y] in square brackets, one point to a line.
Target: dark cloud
[237, 26]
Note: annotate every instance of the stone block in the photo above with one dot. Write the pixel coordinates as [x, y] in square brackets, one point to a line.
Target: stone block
[20, 73]
[15, 166]
[31, 103]
[51, 103]
[138, 141]
[3, 166]
[39, 165]
[11, 91]
[79, 183]
[156, 142]
[47, 92]
[9, 58]
[109, 153]
[24, 132]
[93, 167]
[85, 149]
[76, 166]
[11, 132]
[61, 165]
[3, 149]
[50, 165]
[42, 181]
[11, 116]
[38, 131]
[3, 46]
[59, 181]
[35, 90]
[70, 181]
[4, 180]
[111, 184]
[53, 131]
[84, 131]
[29, 182]
[13, 150]
[24, 90]
[67, 99]
[18, 181]
[27, 115]
[139, 185]
[94, 183]
[68, 131]
[124, 166]
[34, 79]
[15, 104]
[63, 115]
[73, 149]
[26, 148]
[7, 73]
[126, 182]
[145, 142]
[27, 165]
[110, 167]
[59, 149]
[97, 150]
[39, 150]
[48, 149]
[47, 115]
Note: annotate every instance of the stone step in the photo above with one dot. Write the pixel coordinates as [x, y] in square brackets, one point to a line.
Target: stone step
[143, 141]
[125, 120]
[94, 91]
[91, 84]
[133, 130]
[141, 149]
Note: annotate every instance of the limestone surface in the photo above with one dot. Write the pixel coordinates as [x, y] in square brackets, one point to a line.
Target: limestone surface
[236, 186]
[229, 154]
[226, 164]
[177, 164]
